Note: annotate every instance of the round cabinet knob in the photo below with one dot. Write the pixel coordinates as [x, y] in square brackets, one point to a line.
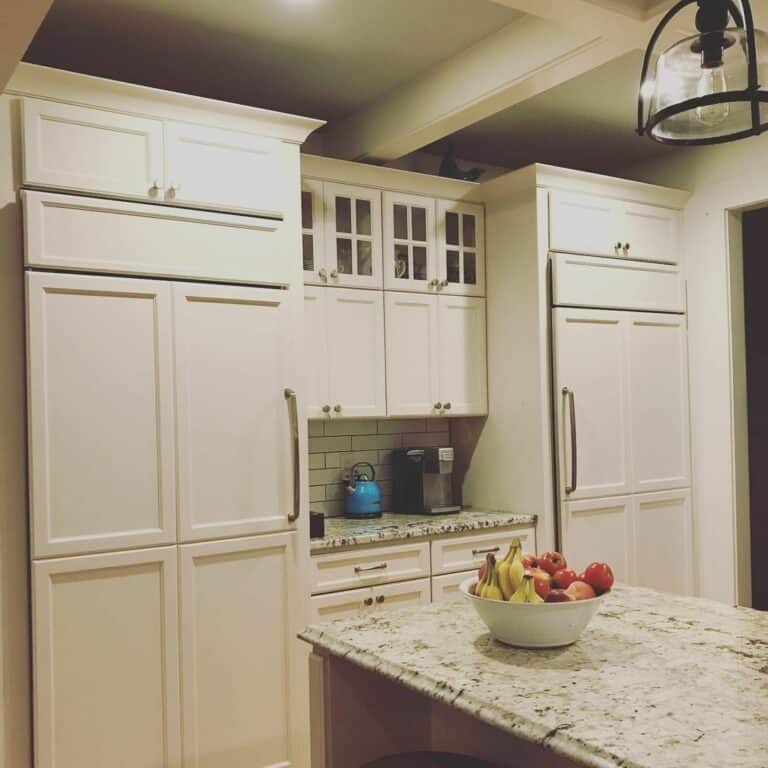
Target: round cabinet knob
[434, 283]
[626, 247]
[334, 273]
[172, 189]
[155, 188]
[326, 409]
[368, 601]
[337, 408]
[444, 284]
[323, 275]
[447, 406]
[438, 406]
[380, 599]
[617, 247]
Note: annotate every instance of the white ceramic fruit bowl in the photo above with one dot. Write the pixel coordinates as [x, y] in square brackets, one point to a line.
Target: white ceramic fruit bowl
[533, 625]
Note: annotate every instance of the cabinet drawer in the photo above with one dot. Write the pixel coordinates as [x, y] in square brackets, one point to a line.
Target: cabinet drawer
[93, 235]
[342, 604]
[463, 553]
[585, 281]
[364, 567]
[447, 587]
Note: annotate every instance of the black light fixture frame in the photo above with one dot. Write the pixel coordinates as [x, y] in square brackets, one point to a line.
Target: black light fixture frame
[752, 94]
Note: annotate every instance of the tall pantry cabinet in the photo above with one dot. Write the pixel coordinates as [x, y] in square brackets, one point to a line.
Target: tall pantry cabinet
[164, 307]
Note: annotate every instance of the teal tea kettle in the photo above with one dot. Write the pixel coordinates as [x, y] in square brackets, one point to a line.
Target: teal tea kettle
[363, 495]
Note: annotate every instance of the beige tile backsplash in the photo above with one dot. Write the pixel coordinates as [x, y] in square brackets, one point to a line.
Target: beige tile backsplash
[334, 446]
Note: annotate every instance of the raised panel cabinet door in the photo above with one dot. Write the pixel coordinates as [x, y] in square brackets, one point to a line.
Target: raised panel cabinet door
[216, 168]
[356, 369]
[412, 354]
[82, 149]
[316, 345]
[106, 664]
[234, 359]
[101, 450]
[599, 530]
[244, 691]
[460, 248]
[409, 243]
[585, 224]
[592, 403]
[463, 368]
[312, 241]
[659, 405]
[663, 541]
[352, 236]
[651, 233]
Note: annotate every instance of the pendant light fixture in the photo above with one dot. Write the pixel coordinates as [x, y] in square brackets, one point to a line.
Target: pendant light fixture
[711, 87]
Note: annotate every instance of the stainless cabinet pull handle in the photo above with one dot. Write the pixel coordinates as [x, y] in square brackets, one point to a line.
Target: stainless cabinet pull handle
[568, 394]
[380, 599]
[368, 601]
[293, 416]
[438, 406]
[366, 568]
[486, 551]
[326, 409]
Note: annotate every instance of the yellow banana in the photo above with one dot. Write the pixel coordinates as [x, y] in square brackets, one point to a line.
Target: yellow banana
[526, 592]
[511, 569]
[492, 590]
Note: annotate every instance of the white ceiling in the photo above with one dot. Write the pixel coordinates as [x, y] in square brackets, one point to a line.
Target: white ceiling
[321, 58]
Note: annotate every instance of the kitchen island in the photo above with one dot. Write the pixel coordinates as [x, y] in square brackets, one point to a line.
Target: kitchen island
[656, 681]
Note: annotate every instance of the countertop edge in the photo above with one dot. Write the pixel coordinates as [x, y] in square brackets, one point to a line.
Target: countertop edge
[554, 740]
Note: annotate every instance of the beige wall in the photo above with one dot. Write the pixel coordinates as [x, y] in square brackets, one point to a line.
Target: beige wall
[729, 176]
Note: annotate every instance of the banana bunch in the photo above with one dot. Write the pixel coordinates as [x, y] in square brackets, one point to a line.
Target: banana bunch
[526, 592]
[489, 587]
[511, 569]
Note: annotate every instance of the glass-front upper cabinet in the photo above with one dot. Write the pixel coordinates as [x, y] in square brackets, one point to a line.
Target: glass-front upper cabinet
[353, 236]
[460, 248]
[410, 263]
[312, 244]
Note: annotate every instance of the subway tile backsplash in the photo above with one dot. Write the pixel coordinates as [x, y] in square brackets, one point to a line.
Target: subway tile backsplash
[335, 445]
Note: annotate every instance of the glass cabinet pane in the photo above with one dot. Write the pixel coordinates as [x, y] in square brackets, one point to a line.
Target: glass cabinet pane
[401, 262]
[452, 267]
[419, 262]
[419, 224]
[364, 258]
[470, 268]
[343, 215]
[344, 255]
[308, 252]
[468, 222]
[400, 221]
[363, 217]
[306, 209]
[452, 228]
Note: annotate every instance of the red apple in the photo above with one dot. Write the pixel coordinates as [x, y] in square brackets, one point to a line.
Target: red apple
[563, 578]
[580, 590]
[542, 581]
[481, 573]
[558, 596]
[531, 561]
[599, 576]
[552, 562]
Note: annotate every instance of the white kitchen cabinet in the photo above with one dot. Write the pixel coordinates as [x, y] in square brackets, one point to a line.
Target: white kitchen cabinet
[242, 686]
[352, 236]
[410, 259]
[651, 233]
[101, 413]
[237, 171]
[106, 663]
[405, 594]
[461, 248]
[446, 587]
[436, 355]
[461, 553]
[81, 149]
[344, 332]
[591, 398]
[662, 541]
[658, 396]
[312, 241]
[233, 363]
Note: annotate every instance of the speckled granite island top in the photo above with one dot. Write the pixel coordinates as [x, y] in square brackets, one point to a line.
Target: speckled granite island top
[656, 681]
[342, 532]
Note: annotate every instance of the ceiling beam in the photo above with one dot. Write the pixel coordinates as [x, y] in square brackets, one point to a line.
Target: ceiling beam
[19, 20]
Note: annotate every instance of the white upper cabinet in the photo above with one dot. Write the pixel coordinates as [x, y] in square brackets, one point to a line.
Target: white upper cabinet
[101, 413]
[345, 352]
[460, 248]
[233, 364]
[92, 150]
[212, 167]
[410, 261]
[353, 236]
[602, 226]
[312, 241]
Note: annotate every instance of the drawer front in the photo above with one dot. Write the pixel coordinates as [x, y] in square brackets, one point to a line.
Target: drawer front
[354, 601]
[584, 281]
[464, 553]
[228, 170]
[447, 587]
[367, 567]
[92, 150]
[92, 235]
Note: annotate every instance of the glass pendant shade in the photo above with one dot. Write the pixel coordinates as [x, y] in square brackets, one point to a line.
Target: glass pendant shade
[708, 88]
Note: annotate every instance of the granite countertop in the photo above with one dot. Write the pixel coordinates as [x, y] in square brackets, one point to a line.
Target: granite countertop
[656, 681]
[342, 532]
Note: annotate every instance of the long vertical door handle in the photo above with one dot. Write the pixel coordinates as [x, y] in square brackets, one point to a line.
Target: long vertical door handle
[568, 393]
[293, 415]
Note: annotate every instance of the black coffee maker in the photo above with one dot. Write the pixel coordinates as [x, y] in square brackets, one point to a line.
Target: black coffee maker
[422, 481]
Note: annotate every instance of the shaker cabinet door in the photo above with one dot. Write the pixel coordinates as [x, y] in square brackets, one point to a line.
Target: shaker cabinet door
[101, 445]
[585, 224]
[316, 367]
[651, 233]
[233, 363]
[461, 248]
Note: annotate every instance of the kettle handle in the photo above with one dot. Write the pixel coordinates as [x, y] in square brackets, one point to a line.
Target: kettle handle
[352, 479]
